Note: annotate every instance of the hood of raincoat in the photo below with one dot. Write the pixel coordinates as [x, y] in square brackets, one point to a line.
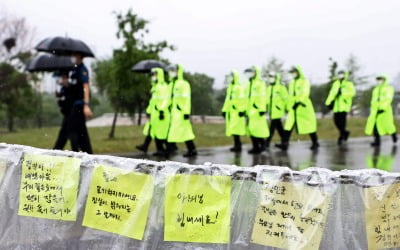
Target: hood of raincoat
[235, 77]
[300, 71]
[160, 74]
[385, 78]
[180, 72]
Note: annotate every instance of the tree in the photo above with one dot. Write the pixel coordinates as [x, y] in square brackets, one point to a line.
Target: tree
[15, 95]
[203, 100]
[128, 91]
[354, 68]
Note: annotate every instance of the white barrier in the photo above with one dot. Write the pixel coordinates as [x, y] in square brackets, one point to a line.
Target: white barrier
[66, 200]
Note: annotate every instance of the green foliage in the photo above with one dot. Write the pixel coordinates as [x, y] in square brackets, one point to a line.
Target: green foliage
[203, 100]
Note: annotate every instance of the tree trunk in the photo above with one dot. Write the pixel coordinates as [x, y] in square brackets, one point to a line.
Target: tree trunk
[112, 131]
[10, 120]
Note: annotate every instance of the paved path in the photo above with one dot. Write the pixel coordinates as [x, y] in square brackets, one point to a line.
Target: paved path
[357, 154]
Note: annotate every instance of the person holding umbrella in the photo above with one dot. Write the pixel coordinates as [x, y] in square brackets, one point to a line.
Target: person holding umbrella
[79, 87]
[257, 126]
[340, 99]
[301, 115]
[380, 121]
[64, 102]
[234, 110]
[277, 95]
[80, 110]
[180, 128]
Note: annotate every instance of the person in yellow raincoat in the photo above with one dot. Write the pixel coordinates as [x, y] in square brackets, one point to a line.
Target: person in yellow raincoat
[234, 110]
[301, 115]
[180, 129]
[380, 121]
[257, 126]
[147, 127]
[277, 95]
[340, 99]
[159, 113]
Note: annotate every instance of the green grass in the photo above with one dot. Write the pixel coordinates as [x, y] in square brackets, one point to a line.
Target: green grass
[207, 135]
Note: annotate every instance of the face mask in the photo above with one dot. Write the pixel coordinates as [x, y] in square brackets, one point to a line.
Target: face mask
[248, 74]
[172, 74]
[341, 76]
[271, 80]
[229, 79]
[293, 75]
[154, 78]
[379, 81]
[73, 60]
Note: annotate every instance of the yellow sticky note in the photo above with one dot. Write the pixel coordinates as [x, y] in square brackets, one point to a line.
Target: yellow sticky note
[290, 216]
[49, 186]
[119, 201]
[197, 209]
[382, 216]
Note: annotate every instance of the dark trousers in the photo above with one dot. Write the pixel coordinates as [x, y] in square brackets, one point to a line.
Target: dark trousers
[276, 124]
[340, 120]
[62, 135]
[77, 131]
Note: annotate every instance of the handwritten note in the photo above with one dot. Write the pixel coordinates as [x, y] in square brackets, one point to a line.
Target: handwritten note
[290, 216]
[119, 201]
[382, 215]
[197, 209]
[49, 186]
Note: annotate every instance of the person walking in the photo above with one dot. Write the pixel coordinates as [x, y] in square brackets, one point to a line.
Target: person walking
[180, 128]
[340, 99]
[301, 115]
[64, 102]
[277, 95]
[257, 126]
[159, 111]
[381, 121]
[234, 111]
[80, 110]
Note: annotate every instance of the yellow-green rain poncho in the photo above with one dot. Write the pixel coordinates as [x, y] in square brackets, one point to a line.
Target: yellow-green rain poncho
[277, 95]
[257, 102]
[160, 102]
[147, 126]
[382, 97]
[180, 129]
[304, 116]
[343, 102]
[235, 102]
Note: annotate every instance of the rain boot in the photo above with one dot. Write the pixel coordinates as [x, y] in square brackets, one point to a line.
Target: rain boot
[394, 137]
[237, 147]
[256, 146]
[191, 149]
[284, 145]
[314, 140]
[145, 146]
[160, 149]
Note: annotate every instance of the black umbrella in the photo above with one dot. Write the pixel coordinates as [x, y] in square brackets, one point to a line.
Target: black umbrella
[49, 63]
[146, 66]
[64, 46]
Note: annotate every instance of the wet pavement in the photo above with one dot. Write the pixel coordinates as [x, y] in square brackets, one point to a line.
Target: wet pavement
[356, 154]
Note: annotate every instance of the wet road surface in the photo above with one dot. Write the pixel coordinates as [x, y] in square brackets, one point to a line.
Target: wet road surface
[356, 154]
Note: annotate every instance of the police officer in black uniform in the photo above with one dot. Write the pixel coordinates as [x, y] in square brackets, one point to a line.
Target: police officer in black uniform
[64, 102]
[80, 110]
